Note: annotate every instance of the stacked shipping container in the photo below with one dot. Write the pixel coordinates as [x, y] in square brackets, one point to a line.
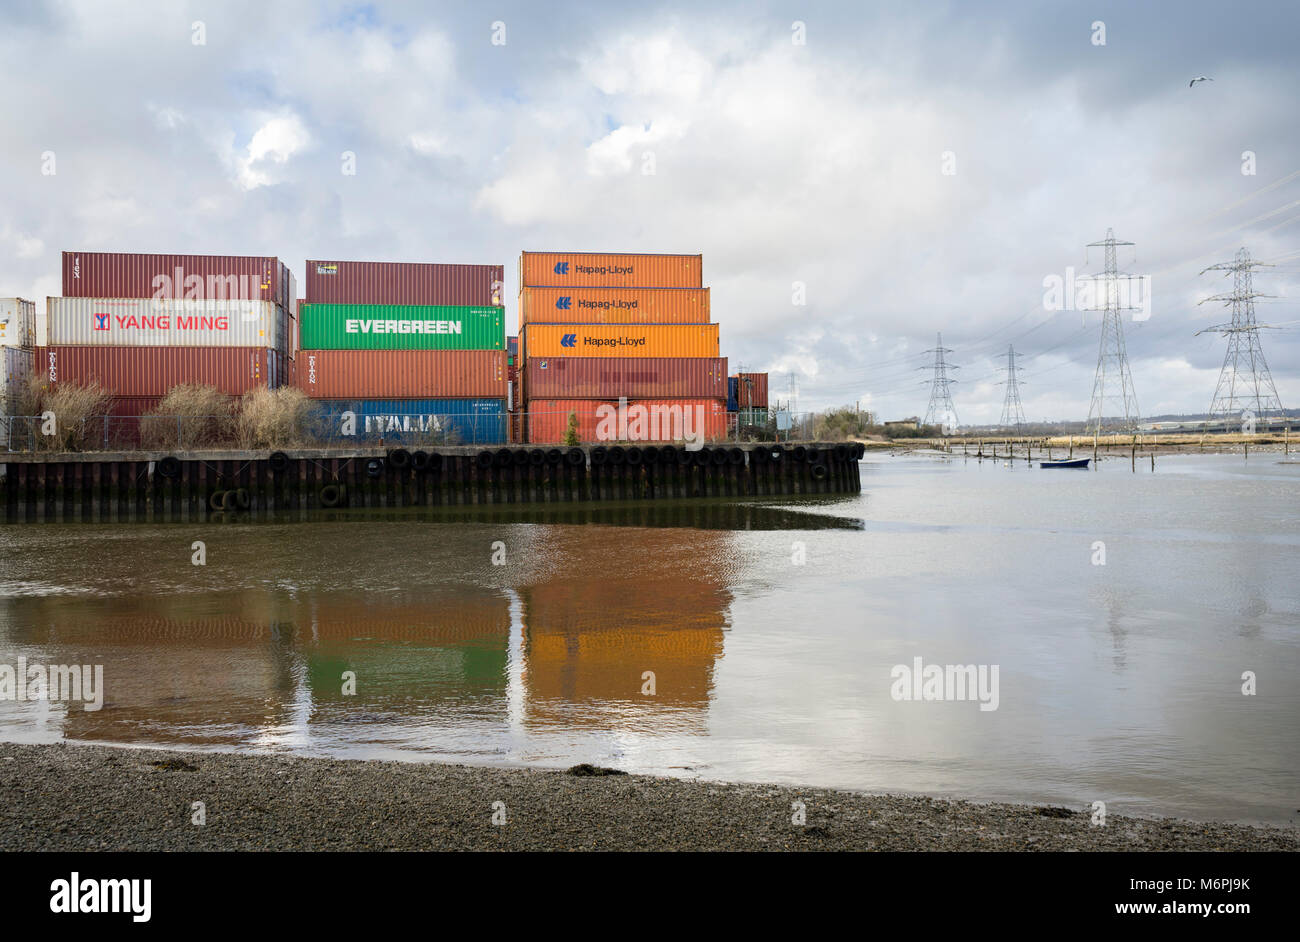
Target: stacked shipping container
[17, 337]
[596, 329]
[415, 352]
[140, 324]
[751, 398]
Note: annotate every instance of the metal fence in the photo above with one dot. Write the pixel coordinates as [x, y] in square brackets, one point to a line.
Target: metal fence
[325, 429]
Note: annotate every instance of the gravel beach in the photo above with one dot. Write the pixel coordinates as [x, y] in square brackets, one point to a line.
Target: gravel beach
[79, 797]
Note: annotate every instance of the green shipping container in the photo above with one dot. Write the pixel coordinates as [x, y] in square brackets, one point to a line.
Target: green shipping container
[401, 327]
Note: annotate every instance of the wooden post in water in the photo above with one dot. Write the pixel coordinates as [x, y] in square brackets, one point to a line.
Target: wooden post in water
[1153, 462]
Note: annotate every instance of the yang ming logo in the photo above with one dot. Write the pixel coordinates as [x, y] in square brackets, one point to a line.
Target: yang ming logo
[563, 304]
[101, 321]
[569, 340]
[561, 268]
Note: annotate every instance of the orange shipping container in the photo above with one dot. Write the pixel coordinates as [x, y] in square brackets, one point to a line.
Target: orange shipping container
[618, 340]
[593, 269]
[614, 305]
[642, 420]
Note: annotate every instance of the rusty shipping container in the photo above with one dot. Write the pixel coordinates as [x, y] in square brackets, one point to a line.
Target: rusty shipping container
[149, 322]
[644, 420]
[614, 306]
[152, 371]
[618, 340]
[635, 378]
[404, 283]
[751, 390]
[593, 269]
[402, 374]
[211, 277]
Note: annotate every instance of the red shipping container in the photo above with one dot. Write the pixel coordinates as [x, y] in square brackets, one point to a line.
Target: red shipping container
[404, 283]
[634, 378]
[645, 420]
[138, 275]
[402, 374]
[752, 390]
[152, 371]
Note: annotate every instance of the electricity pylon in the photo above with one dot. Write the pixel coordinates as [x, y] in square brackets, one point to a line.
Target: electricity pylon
[1112, 358]
[1013, 413]
[941, 407]
[1245, 385]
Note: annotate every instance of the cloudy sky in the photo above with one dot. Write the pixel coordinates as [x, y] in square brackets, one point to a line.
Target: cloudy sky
[822, 162]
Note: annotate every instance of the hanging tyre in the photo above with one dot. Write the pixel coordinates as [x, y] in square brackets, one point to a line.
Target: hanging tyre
[484, 459]
[800, 453]
[399, 458]
[502, 458]
[617, 455]
[682, 456]
[575, 457]
[240, 498]
[554, 456]
[633, 455]
[333, 495]
[374, 467]
[278, 461]
[170, 467]
[536, 457]
[420, 460]
[519, 457]
[775, 454]
[599, 454]
[718, 456]
[841, 452]
[820, 472]
[736, 456]
[217, 500]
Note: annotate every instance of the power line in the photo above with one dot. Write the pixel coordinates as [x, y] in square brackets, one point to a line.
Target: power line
[941, 407]
[1112, 357]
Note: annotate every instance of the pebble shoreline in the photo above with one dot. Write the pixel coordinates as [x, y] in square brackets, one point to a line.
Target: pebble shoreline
[84, 797]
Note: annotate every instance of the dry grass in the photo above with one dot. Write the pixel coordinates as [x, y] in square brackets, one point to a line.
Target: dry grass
[189, 416]
[272, 418]
[76, 413]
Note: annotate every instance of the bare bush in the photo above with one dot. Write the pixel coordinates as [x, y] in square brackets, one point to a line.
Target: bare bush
[272, 418]
[77, 422]
[189, 416]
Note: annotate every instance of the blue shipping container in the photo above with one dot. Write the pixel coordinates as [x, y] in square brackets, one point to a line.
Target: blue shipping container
[733, 393]
[413, 421]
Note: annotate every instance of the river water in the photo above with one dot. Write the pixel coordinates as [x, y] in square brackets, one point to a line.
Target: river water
[745, 642]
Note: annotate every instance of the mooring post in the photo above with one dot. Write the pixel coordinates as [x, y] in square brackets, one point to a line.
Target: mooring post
[1153, 462]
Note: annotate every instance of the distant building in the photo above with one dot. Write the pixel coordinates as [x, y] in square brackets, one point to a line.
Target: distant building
[913, 423]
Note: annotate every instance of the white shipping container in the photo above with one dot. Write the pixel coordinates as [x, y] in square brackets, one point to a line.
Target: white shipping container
[17, 323]
[162, 322]
[15, 367]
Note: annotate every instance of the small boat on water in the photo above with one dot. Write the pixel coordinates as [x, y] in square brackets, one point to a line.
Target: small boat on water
[1066, 463]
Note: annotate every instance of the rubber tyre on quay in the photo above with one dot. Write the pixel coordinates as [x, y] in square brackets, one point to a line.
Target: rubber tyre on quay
[420, 460]
[374, 467]
[217, 500]
[170, 467]
[333, 495]
[536, 457]
[859, 451]
[800, 453]
[633, 455]
[399, 458]
[502, 458]
[820, 472]
[598, 455]
[484, 459]
[241, 499]
[841, 452]
[278, 462]
[617, 455]
[775, 454]
[736, 455]
[575, 457]
[554, 456]
[679, 455]
[718, 456]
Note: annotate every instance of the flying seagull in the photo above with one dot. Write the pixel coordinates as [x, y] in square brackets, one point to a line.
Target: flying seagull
[1199, 78]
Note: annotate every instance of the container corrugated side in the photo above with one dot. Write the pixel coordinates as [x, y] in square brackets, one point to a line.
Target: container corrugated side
[16, 365]
[206, 277]
[401, 327]
[634, 377]
[614, 305]
[145, 322]
[152, 371]
[618, 340]
[17, 322]
[659, 420]
[610, 270]
[402, 374]
[331, 282]
[413, 421]
[751, 392]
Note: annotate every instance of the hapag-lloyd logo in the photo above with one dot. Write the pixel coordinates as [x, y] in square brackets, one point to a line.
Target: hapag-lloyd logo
[655, 423]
